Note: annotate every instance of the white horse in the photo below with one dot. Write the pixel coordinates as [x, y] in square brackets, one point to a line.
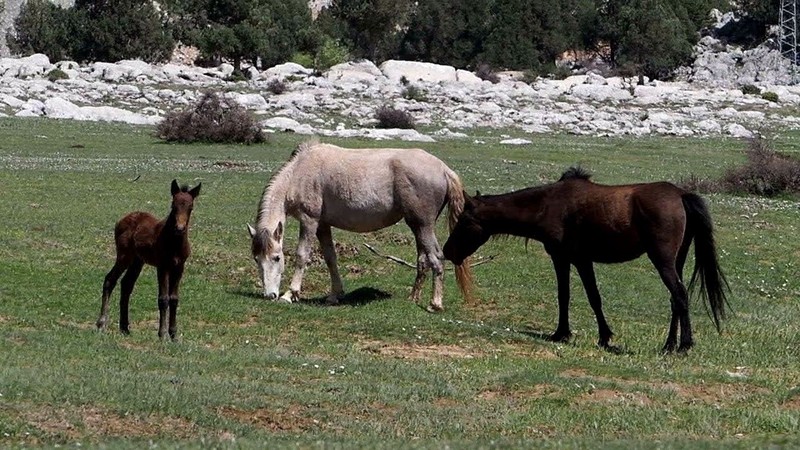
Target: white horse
[360, 190]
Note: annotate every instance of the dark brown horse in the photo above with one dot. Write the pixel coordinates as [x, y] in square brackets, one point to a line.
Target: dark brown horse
[580, 223]
[142, 239]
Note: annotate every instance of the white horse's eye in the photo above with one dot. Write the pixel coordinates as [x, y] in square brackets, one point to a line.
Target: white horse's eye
[276, 258]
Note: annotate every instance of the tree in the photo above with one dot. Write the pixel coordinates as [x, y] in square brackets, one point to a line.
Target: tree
[372, 28]
[530, 33]
[43, 27]
[243, 30]
[646, 37]
[449, 32]
[124, 29]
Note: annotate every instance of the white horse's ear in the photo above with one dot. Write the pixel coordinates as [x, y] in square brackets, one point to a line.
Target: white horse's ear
[251, 230]
[278, 234]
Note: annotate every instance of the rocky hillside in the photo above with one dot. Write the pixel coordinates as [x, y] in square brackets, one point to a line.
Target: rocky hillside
[446, 102]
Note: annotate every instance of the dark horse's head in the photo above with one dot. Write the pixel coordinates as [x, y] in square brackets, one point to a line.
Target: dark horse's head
[469, 233]
[182, 204]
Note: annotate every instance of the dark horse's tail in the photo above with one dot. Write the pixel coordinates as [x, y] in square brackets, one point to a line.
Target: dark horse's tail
[713, 285]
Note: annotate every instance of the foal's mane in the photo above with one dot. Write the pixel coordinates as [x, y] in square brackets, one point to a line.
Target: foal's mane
[575, 172]
[282, 177]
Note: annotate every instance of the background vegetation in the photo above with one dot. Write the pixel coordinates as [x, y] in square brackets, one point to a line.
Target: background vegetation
[377, 371]
[643, 37]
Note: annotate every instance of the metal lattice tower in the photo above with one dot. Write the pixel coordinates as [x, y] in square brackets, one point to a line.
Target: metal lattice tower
[788, 20]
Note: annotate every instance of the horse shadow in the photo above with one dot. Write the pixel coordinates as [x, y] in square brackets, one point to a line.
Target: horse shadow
[358, 297]
[540, 335]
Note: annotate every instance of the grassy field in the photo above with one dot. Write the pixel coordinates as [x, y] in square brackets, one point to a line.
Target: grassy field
[377, 371]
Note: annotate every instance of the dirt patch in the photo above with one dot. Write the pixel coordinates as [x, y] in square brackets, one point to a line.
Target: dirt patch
[792, 403]
[293, 419]
[613, 396]
[705, 393]
[78, 422]
[536, 391]
[414, 351]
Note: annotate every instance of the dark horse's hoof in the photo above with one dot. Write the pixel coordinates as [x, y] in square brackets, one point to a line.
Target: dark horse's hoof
[559, 336]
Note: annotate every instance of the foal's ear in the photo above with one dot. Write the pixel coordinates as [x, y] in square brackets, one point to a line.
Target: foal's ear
[278, 234]
[196, 191]
[175, 188]
[251, 230]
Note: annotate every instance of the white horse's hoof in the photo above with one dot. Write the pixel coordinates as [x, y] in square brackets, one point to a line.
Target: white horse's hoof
[288, 297]
[434, 308]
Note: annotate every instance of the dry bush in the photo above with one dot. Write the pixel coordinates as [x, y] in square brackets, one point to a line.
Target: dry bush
[766, 173]
[212, 119]
[393, 118]
[485, 73]
[276, 87]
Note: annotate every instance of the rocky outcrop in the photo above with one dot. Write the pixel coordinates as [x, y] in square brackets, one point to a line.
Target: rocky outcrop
[343, 100]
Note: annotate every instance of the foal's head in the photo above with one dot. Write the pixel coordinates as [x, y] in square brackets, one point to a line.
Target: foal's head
[267, 248]
[469, 233]
[182, 204]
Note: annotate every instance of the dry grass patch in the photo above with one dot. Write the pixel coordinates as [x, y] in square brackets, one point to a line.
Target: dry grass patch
[704, 393]
[294, 419]
[414, 351]
[612, 396]
[82, 421]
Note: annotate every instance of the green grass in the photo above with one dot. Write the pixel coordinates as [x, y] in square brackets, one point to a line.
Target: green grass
[378, 371]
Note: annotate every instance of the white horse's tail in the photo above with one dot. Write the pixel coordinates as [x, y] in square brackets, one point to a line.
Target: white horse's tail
[455, 206]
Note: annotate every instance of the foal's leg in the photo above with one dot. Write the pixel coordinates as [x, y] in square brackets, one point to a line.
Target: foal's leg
[429, 255]
[108, 287]
[329, 253]
[174, 283]
[308, 228]
[128, 281]
[562, 333]
[586, 271]
[163, 300]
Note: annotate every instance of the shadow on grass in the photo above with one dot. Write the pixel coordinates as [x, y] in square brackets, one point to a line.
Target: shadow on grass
[358, 297]
[546, 337]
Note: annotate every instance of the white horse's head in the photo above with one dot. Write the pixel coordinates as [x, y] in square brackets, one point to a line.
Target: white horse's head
[267, 248]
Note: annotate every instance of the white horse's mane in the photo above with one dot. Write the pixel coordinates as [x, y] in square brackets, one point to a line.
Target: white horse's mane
[275, 190]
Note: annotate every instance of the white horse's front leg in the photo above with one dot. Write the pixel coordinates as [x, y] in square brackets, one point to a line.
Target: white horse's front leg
[303, 256]
[329, 253]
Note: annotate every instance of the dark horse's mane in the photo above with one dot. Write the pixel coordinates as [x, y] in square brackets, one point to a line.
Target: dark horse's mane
[185, 188]
[575, 172]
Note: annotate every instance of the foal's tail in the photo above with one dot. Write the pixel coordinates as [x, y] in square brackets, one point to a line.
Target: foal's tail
[713, 284]
[455, 206]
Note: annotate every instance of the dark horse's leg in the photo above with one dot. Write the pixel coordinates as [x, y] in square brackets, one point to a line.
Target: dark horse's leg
[586, 271]
[108, 287]
[174, 283]
[679, 300]
[680, 261]
[163, 299]
[128, 281]
[562, 333]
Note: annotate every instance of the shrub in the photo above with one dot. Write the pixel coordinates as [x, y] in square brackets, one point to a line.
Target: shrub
[212, 119]
[766, 173]
[236, 76]
[412, 92]
[485, 72]
[57, 74]
[331, 53]
[393, 118]
[770, 97]
[276, 87]
[750, 89]
[304, 59]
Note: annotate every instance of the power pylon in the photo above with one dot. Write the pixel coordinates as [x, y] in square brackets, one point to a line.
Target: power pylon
[788, 19]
